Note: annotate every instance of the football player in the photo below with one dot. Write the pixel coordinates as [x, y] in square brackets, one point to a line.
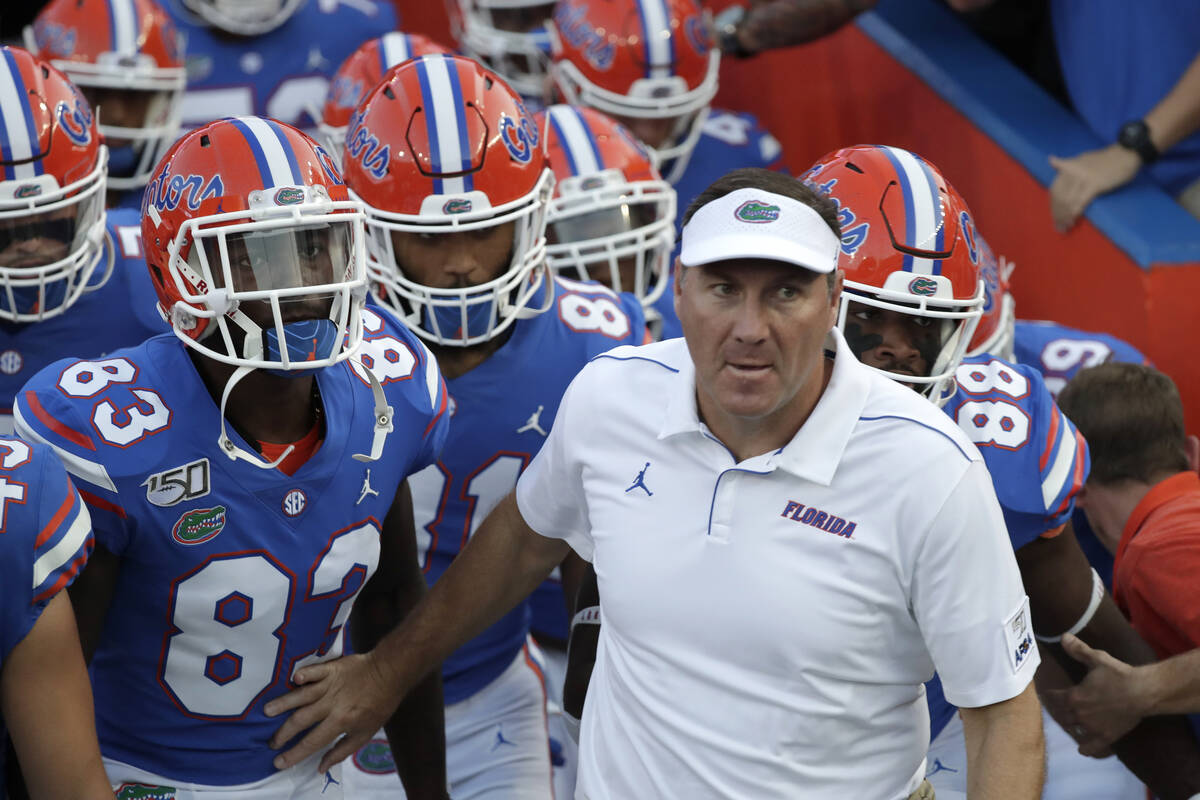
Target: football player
[651, 65]
[911, 306]
[452, 168]
[271, 58]
[126, 58]
[72, 280]
[1054, 350]
[245, 472]
[510, 37]
[45, 698]
[358, 74]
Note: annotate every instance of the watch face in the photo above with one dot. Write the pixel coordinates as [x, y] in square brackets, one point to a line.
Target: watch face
[1133, 133]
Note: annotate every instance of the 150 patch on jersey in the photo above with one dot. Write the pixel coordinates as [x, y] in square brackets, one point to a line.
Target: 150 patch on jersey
[165, 489]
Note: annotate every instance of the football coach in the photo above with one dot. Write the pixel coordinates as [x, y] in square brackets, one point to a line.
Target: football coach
[787, 545]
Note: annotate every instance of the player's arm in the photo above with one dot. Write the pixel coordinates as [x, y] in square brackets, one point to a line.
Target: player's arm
[1000, 739]
[416, 731]
[581, 645]
[1160, 751]
[91, 595]
[46, 702]
[503, 562]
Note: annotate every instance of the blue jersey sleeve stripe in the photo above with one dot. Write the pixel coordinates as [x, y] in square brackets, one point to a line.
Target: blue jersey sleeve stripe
[82, 468]
[72, 541]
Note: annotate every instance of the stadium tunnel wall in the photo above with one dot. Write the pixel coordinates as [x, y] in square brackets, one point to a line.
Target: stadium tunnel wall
[912, 74]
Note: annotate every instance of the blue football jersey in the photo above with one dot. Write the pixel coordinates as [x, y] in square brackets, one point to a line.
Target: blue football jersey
[120, 313]
[45, 539]
[1037, 459]
[281, 74]
[232, 576]
[502, 411]
[728, 140]
[1058, 352]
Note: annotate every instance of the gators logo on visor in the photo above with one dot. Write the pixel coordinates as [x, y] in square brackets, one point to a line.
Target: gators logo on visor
[757, 211]
[456, 206]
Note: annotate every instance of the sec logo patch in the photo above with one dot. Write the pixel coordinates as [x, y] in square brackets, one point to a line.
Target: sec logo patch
[11, 362]
[294, 503]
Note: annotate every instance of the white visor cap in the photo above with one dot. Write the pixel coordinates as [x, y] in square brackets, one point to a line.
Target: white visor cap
[751, 223]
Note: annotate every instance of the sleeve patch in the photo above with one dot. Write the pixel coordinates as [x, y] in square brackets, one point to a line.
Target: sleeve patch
[1018, 637]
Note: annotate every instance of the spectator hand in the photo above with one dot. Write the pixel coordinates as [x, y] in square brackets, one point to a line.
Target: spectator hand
[1084, 177]
[1106, 705]
[348, 695]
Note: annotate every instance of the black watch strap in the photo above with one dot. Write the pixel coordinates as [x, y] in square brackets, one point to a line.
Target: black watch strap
[1135, 136]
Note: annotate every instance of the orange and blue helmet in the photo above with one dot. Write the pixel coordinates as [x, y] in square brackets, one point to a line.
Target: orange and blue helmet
[52, 182]
[442, 146]
[908, 245]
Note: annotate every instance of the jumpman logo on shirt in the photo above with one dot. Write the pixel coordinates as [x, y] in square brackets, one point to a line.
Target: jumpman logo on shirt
[366, 489]
[533, 423]
[500, 738]
[640, 480]
[330, 781]
[937, 767]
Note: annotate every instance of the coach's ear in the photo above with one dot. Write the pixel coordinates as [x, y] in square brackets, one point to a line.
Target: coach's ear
[1191, 448]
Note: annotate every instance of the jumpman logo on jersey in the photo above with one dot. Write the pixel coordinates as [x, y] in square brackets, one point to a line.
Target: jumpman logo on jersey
[533, 423]
[640, 480]
[330, 781]
[366, 489]
[937, 767]
[501, 740]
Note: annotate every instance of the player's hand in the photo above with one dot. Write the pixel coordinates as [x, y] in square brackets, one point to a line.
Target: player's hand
[347, 697]
[1082, 178]
[1106, 704]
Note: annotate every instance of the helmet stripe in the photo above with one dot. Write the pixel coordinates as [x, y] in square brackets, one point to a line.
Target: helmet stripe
[576, 140]
[123, 26]
[445, 125]
[393, 48]
[657, 41]
[922, 207]
[19, 138]
[461, 123]
[288, 151]
[271, 157]
[939, 214]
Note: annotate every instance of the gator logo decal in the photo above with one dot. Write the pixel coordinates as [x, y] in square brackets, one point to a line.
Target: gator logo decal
[456, 206]
[757, 211]
[28, 190]
[375, 758]
[199, 525]
[923, 286]
[289, 196]
[144, 791]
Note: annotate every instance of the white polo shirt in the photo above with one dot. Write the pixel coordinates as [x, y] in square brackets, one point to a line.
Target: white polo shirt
[767, 625]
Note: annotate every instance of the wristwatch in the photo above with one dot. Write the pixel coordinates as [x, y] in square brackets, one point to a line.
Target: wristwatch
[1135, 136]
[726, 24]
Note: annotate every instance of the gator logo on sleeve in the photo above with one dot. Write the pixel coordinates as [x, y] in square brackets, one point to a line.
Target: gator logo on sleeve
[757, 211]
[199, 525]
[144, 791]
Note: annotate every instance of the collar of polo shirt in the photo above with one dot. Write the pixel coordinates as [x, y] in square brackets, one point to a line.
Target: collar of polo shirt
[751, 223]
[816, 450]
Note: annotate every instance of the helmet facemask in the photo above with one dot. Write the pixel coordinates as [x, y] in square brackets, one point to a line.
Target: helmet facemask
[462, 317]
[603, 227]
[52, 239]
